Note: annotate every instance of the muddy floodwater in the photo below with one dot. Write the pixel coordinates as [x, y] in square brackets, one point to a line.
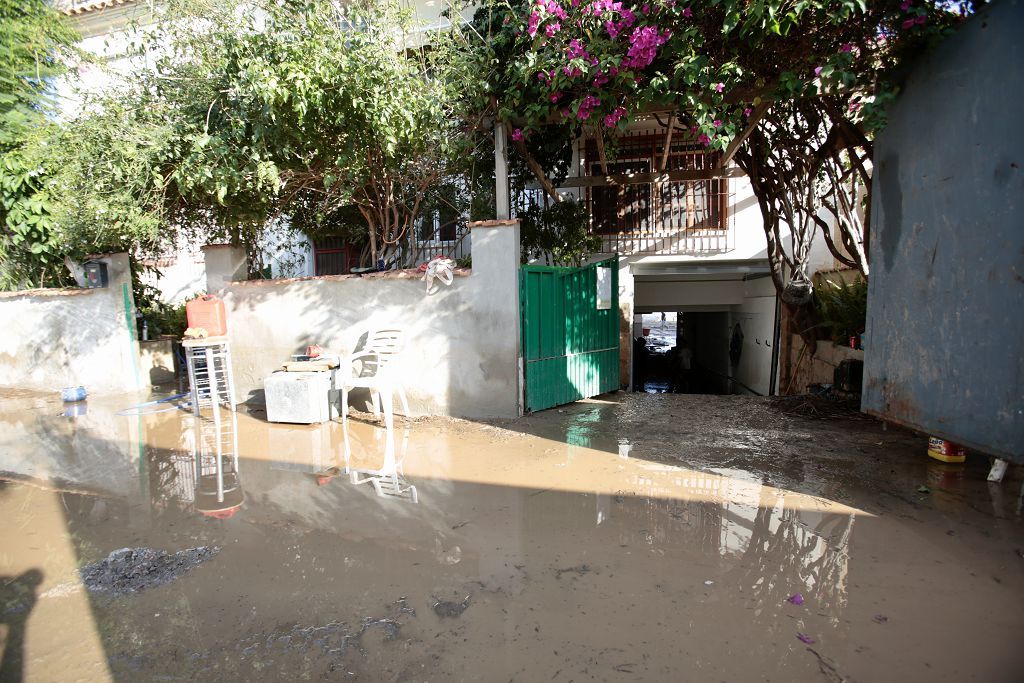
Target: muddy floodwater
[627, 538]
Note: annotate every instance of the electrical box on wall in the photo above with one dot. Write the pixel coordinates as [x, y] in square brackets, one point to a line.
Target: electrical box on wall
[95, 274]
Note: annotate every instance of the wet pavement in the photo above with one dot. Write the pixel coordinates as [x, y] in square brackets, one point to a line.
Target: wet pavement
[631, 537]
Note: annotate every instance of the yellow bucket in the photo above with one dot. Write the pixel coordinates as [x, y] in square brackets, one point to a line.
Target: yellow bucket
[945, 451]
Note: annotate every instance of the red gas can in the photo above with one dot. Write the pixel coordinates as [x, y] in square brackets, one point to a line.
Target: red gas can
[207, 312]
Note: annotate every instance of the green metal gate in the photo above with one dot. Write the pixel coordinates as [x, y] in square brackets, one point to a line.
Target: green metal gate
[570, 332]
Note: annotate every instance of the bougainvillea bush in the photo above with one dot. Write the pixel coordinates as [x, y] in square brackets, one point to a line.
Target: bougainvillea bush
[604, 63]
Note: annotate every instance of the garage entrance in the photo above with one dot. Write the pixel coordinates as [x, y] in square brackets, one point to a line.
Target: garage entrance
[718, 335]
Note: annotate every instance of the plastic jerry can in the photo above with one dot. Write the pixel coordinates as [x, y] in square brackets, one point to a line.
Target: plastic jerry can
[207, 312]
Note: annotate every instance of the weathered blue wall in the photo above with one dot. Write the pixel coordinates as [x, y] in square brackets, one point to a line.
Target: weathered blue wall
[945, 334]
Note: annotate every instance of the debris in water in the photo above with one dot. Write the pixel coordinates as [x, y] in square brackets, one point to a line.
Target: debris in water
[819, 407]
[579, 569]
[403, 606]
[133, 569]
[444, 608]
[880, 618]
[709, 582]
[795, 599]
[923, 489]
[804, 638]
[390, 626]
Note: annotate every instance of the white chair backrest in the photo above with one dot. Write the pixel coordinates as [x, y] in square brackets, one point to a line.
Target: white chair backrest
[386, 342]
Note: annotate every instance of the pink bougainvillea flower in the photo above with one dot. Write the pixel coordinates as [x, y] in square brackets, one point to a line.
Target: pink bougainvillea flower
[905, 5]
[795, 599]
[717, 123]
[704, 139]
[555, 9]
[600, 80]
[817, 71]
[611, 119]
[587, 106]
[687, 12]
[552, 29]
[613, 30]
[555, 96]
[921, 19]
[532, 23]
[846, 47]
[613, 71]
[517, 134]
[719, 87]
[575, 50]
[804, 638]
[644, 42]
[747, 111]
[907, 23]
[646, 9]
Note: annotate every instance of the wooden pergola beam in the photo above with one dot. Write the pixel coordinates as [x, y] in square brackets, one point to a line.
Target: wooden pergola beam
[752, 122]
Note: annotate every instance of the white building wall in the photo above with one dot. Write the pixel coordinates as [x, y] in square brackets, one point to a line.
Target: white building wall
[756, 317]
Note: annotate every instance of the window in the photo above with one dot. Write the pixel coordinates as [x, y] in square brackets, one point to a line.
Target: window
[439, 226]
[665, 207]
[331, 256]
[623, 208]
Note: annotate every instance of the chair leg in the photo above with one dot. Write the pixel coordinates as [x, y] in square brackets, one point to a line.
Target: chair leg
[389, 423]
[405, 402]
[375, 401]
[344, 402]
[346, 446]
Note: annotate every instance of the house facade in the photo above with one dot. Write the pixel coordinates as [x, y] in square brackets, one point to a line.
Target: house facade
[686, 228]
[689, 237]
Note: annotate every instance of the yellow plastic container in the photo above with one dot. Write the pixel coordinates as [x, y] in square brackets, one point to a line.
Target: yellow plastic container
[945, 451]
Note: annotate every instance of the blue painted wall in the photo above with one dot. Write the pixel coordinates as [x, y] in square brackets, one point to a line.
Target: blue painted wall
[945, 332]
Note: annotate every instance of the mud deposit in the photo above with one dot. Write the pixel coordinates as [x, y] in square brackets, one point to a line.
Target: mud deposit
[633, 537]
[133, 569]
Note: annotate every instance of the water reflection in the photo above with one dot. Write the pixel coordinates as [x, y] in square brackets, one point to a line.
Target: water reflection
[387, 478]
[770, 542]
[204, 473]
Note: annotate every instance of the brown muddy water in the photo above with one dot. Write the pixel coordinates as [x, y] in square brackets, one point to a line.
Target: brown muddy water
[633, 538]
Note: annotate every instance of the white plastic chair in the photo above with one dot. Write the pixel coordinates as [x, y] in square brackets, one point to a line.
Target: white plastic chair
[371, 365]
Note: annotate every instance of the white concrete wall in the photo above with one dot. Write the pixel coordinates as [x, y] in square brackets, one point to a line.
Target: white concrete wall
[55, 338]
[671, 295]
[463, 340]
[756, 317]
